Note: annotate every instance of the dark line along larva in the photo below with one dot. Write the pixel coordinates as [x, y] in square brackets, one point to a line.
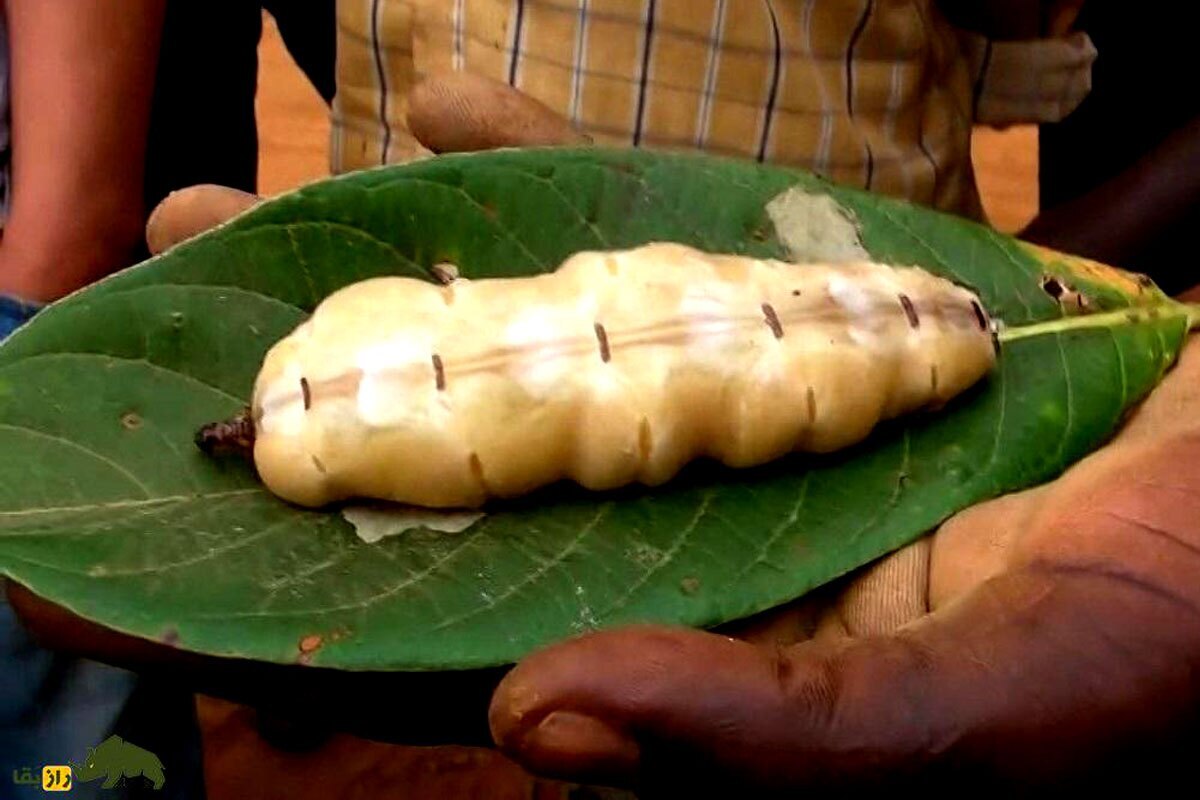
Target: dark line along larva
[403, 390]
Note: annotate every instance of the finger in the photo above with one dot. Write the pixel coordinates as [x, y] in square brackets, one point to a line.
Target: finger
[420, 708]
[982, 541]
[462, 112]
[188, 212]
[1087, 650]
[976, 545]
[885, 596]
[1025, 683]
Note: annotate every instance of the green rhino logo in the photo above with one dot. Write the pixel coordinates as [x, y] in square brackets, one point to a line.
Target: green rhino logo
[116, 759]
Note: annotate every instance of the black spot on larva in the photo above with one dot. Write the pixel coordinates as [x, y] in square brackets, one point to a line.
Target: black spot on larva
[996, 341]
[910, 311]
[811, 398]
[1144, 281]
[439, 373]
[1053, 286]
[602, 338]
[933, 379]
[772, 320]
[306, 392]
[795, 292]
[476, 468]
[645, 441]
[980, 317]
[318, 464]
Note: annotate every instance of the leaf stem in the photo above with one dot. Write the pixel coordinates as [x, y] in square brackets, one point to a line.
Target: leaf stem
[1108, 319]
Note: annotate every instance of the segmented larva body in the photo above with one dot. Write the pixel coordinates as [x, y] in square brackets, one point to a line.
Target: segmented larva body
[619, 367]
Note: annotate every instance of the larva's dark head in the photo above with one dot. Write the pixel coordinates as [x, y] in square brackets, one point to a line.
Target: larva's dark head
[234, 436]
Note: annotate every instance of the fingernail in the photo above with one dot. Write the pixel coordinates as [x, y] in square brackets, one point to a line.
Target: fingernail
[581, 745]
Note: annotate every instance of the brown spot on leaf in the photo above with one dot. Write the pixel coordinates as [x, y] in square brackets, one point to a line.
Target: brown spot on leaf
[690, 585]
[309, 645]
[131, 421]
[169, 636]
[1053, 287]
[1068, 298]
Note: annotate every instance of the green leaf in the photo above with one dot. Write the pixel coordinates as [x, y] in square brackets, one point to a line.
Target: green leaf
[107, 508]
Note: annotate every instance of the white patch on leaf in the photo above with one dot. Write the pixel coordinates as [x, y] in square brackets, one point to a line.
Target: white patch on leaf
[378, 521]
[815, 229]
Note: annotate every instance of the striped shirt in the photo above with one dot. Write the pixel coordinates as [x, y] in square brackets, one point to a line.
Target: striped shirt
[880, 94]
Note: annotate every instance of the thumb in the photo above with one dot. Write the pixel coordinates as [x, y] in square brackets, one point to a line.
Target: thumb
[1034, 675]
[460, 112]
[191, 211]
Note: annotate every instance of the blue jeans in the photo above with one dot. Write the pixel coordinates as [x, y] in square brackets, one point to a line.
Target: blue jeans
[53, 707]
[14, 313]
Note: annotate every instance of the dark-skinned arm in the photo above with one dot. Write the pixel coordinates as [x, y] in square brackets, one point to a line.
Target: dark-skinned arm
[82, 78]
[1112, 222]
[1012, 20]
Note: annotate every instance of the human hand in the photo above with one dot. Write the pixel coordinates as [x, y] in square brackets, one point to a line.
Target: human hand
[454, 112]
[1034, 638]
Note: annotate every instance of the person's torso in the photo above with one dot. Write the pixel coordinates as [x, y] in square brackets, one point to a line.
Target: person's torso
[871, 93]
